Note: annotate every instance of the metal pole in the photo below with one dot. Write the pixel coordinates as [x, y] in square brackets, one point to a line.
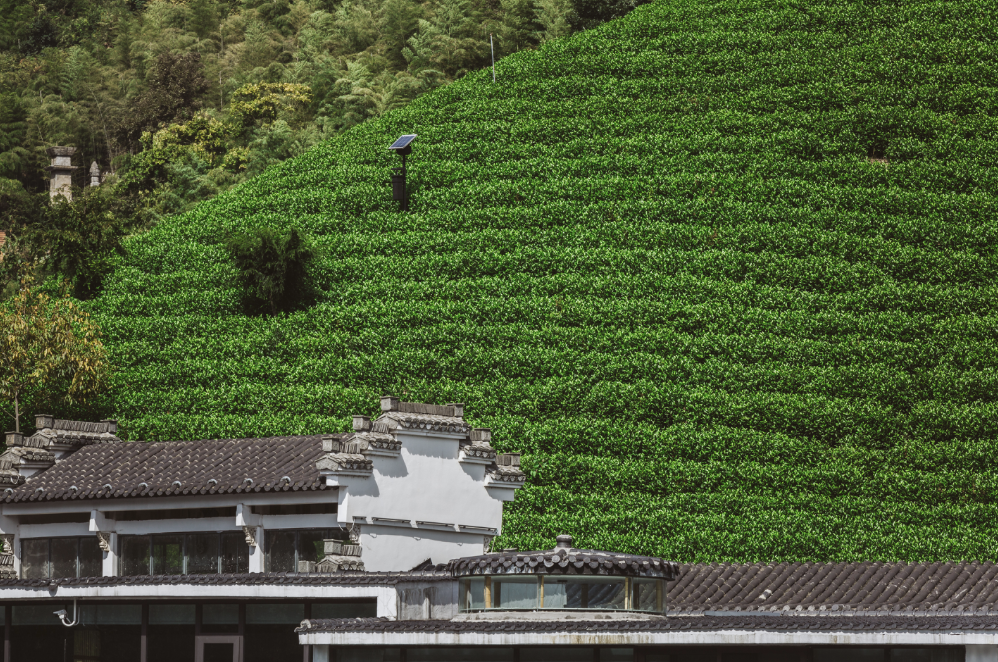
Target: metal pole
[405, 187]
[493, 47]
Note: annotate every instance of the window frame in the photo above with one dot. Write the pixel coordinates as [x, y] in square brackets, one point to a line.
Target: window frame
[185, 555]
[327, 535]
[49, 565]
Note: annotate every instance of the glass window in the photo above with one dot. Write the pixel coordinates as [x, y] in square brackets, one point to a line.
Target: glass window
[281, 551]
[277, 614]
[202, 554]
[852, 654]
[91, 557]
[171, 614]
[194, 553]
[62, 556]
[584, 593]
[473, 593]
[345, 610]
[219, 618]
[235, 553]
[616, 654]
[476, 654]
[310, 547]
[514, 592]
[644, 594]
[368, 654]
[35, 558]
[134, 555]
[556, 654]
[167, 555]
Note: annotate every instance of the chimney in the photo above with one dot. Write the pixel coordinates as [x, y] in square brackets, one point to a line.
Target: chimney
[62, 172]
[95, 177]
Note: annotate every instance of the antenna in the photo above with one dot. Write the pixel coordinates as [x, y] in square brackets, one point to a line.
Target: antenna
[493, 47]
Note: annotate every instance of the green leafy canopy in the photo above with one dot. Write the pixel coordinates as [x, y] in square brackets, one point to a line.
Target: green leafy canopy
[657, 259]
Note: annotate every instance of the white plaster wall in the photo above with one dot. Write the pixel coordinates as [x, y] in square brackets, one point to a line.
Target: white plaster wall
[388, 548]
[426, 482]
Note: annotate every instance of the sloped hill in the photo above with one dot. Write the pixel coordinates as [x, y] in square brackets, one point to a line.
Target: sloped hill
[657, 259]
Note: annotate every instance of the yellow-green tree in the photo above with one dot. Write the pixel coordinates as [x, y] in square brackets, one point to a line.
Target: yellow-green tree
[49, 349]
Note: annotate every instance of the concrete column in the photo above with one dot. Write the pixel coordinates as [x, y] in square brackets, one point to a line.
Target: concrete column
[110, 567]
[256, 555]
[62, 172]
[982, 653]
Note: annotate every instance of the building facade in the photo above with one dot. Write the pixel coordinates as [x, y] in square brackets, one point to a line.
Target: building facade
[373, 546]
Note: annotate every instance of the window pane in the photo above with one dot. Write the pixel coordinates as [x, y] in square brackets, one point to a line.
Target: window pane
[645, 594]
[235, 553]
[202, 554]
[215, 614]
[134, 555]
[279, 614]
[168, 555]
[91, 557]
[310, 544]
[514, 592]
[853, 654]
[280, 551]
[556, 654]
[476, 654]
[368, 654]
[171, 614]
[616, 655]
[588, 593]
[219, 618]
[473, 593]
[35, 558]
[63, 557]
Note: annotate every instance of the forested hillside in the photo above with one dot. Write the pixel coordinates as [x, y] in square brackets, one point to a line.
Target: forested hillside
[722, 270]
[181, 99]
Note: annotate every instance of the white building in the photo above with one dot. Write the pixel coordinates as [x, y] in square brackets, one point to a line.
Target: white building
[373, 547]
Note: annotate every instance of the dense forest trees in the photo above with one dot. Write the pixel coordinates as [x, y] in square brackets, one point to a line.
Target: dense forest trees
[180, 99]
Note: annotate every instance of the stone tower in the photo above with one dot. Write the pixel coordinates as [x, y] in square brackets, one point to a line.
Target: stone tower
[94, 174]
[62, 171]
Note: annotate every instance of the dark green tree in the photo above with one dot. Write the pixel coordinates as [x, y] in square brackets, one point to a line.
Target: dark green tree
[272, 268]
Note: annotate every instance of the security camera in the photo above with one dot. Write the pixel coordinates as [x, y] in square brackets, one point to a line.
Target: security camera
[61, 614]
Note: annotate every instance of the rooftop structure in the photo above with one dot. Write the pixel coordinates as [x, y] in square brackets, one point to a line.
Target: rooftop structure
[374, 545]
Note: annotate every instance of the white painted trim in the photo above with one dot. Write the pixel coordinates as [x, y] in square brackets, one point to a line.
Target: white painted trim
[257, 557]
[716, 638]
[55, 530]
[168, 502]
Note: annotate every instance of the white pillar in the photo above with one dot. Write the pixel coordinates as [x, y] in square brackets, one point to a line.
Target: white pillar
[256, 555]
[110, 564]
[982, 653]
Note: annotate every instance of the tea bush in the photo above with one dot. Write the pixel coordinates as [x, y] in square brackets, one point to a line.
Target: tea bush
[723, 271]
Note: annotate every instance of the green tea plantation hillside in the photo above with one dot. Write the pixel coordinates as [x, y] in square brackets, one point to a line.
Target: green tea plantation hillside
[723, 271]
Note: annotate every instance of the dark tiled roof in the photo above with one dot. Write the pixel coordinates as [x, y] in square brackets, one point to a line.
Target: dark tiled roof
[670, 624]
[268, 578]
[836, 587]
[564, 560]
[136, 469]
